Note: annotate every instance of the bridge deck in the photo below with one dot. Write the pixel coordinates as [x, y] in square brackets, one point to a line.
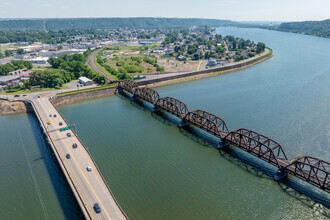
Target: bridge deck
[88, 187]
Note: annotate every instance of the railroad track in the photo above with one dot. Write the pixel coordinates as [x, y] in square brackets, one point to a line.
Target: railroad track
[91, 64]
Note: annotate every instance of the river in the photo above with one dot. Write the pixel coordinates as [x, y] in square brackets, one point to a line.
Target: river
[158, 171]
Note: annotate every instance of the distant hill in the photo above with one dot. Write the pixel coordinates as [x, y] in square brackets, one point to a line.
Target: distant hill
[108, 23]
[317, 28]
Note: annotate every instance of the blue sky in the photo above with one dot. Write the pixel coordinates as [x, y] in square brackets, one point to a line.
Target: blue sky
[237, 10]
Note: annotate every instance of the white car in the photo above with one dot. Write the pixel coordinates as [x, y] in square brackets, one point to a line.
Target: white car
[88, 168]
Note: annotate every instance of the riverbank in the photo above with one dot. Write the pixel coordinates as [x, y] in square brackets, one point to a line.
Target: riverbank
[13, 107]
[212, 72]
[60, 99]
[18, 107]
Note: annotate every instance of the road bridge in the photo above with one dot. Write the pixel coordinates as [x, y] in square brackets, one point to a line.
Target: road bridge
[310, 169]
[89, 187]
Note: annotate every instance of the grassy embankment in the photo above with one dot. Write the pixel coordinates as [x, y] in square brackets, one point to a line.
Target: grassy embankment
[27, 91]
[86, 90]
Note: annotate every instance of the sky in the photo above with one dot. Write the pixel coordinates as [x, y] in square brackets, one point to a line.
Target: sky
[236, 10]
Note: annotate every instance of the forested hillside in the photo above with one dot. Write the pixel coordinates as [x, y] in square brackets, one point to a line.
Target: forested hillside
[107, 23]
[317, 28]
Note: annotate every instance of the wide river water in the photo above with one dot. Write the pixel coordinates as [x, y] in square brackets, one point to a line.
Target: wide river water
[158, 171]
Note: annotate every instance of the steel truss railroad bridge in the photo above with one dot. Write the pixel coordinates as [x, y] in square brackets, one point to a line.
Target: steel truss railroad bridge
[310, 169]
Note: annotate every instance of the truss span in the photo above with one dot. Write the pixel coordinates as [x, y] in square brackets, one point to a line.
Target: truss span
[173, 106]
[258, 145]
[208, 122]
[147, 94]
[128, 85]
[312, 170]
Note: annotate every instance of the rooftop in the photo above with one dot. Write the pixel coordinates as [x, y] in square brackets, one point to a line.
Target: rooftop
[8, 78]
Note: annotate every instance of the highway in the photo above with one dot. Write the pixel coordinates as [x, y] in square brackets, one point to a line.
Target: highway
[88, 186]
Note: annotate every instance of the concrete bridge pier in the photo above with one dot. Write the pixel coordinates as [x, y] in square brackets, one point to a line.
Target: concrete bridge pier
[119, 90]
[134, 98]
[156, 109]
[222, 144]
[183, 123]
[280, 174]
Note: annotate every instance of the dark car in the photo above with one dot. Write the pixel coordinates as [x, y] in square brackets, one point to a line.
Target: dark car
[16, 95]
[60, 123]
[38, 96]
[24, 95]
[54, 115]
[68, 156]
[50, 115]
[68, 134]
[97, 208]
[74, 145]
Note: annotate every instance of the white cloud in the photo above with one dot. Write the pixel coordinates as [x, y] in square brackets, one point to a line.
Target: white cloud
[8, 4]
[232, 2]
[64, 7]
[47, 5]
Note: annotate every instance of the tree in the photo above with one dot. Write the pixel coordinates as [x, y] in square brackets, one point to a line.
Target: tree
[60, 47]
[20, 51]
[8, 53]
[260, 47]
[207, 55]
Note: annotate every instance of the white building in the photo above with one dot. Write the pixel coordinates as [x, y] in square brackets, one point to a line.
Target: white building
[85, 81]
[40, 60]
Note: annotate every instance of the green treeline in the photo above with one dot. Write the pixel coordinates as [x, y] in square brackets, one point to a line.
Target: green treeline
[50, 37]
[317, 28]
[107, 23]
[14, 65]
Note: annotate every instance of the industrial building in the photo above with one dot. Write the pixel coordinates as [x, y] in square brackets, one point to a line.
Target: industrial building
[10, 80]
[85, 81]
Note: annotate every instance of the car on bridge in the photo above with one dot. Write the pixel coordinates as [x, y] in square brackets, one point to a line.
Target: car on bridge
[74, 145]
[89, 168]
[60, 123]
[97, 208]
[68, 156]
[49, 122]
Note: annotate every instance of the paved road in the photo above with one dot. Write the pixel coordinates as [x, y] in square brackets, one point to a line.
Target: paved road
[90, 185]
[91, 63]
